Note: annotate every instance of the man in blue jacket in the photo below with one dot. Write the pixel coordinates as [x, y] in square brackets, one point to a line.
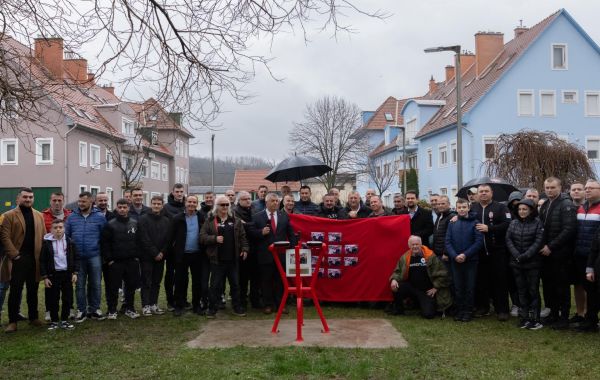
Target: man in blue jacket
[84, 226]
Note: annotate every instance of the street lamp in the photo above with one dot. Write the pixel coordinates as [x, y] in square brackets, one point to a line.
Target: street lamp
[459, 160]
[403, 128]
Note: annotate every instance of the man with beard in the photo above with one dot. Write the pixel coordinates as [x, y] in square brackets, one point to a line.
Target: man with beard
[440, 226]
[56, 210]
[329, 209]
[207, 205]
[421, 221]
[399, 205]
[377, 208]
[259, 204]
[305, 205]
[102, 206]
[249, 276]
[354, 207]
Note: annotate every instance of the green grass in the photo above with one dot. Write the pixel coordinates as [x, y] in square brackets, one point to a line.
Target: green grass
[154, 347]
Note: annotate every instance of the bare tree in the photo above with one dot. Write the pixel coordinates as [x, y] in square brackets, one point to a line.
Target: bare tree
[526, 158]
[331, 133]
[190, 53]
[382, 174]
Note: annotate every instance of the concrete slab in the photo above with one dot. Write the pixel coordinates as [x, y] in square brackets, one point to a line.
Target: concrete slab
[345, 333]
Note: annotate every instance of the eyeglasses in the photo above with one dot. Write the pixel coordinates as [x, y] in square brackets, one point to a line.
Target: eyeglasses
[224, 204]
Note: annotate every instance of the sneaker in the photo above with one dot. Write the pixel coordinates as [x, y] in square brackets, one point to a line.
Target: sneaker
[534, 326]
[21, 317]
[147, 311]
[170, 307]
[66, 325]
[157, 310]
[545, 312]
[514, 311]
[523, 324]
[97, 315]
[131, 313]
[211, 314]
[238, 311]
[80, 317]
[112, 316]
[576, 319]
[47, 317]
[53, 326]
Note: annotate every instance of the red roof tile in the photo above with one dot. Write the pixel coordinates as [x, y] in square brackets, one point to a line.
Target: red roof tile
[249, 180]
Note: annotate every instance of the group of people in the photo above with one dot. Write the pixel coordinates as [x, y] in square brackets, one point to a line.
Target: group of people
[460, 261]
[485, 253]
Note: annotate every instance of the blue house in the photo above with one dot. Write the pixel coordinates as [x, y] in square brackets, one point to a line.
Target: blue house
[545, 78]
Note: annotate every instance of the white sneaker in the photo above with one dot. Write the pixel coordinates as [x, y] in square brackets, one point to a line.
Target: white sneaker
[147, 311]
[545, 312]
[514, 311]
[47, 317]
[80, 317]
[157, 310]
[132, 314]
[111, 316]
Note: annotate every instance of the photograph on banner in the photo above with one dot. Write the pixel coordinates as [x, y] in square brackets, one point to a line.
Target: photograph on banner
[334, 237]
[334, 249]
[334, 261]
[350, 261]
[334, 273]
[305, 262]
[351, 249]
[318, 236]
[321, 273]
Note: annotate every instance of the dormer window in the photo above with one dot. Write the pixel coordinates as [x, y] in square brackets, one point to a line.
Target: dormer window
[389, 117]
[154, 138]
[559, 56]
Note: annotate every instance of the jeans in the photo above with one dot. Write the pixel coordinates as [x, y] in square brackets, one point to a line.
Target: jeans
[195, 264]
[464, 276]
[90, 274]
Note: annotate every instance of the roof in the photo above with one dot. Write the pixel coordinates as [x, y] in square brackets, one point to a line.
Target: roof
[250, 180]
[378, 120]
[151, 113]
[475, 87]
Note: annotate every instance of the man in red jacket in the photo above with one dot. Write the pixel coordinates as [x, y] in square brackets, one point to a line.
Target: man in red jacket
[56, 210]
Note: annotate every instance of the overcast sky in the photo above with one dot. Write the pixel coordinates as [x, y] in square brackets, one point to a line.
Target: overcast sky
[382, 58]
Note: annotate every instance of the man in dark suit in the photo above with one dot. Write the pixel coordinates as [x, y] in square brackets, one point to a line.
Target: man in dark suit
[421, 221]
[269, 226]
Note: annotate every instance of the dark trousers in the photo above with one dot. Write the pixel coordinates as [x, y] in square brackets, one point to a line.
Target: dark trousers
[492, 281]
[218, 274]
[61, 285]
[123, 271]
[272, 287]
[420, 297]
[528, 286]
[152, 273]
[196, 264]
[592, 301]
[169, 284]
[105, 274]
[557, 290]
[249, 281]
[464, 276]
[23, 274]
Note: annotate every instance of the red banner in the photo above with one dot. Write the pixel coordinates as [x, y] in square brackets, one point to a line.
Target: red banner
[362, 254]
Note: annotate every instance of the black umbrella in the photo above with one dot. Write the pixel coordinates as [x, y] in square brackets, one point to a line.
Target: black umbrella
[500, 187]
[297, 168]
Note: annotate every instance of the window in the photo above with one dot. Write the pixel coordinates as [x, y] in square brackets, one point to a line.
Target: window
[9, 107]
[412, 161]
[592, 103]
[44, 151]
[429, 158]
[177, 147]
[559, 56]
[94, 190]
[146, 198]
[389, 117]
[411, 131]
[186, 173]
[525, 103]
[378, 172]
[489, 147]
[165, 172]
[443, 155]
[82, 154]
[547, 103]
[570, 96]
[109, 160]
[126, 162]
[593, 148]
[144, 168]
[443, 191]
[154, 138]
[386, 169]
[185, 149]
[110, 195]
[94, 156]
[453, 191]
[128, 127]
[10, 152]
[177, 178]
[82, 188]
[453, 152]
[155, 170]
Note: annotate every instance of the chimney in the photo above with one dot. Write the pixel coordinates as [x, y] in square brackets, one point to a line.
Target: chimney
[466, 60]
[77, 68]
[432, 85]
[487, 46]
[449, 73]
[110, 89]
[91, 78]
[520, 30]
[49, 51]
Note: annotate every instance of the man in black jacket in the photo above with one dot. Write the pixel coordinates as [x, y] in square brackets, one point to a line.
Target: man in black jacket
[207, 205]
[269, 226]
[421, 221]
[492, 270]
[189, 256]
[121, 250]
[329, 209]
[560, 223]
[440, 226]
[153, 229]
[305, 205]
[175, 205]
[137, 207]
[354, 207]
[176, 201]
[249, 277]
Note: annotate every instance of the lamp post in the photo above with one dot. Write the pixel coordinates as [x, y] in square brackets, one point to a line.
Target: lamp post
[403, 128]
[459, 156]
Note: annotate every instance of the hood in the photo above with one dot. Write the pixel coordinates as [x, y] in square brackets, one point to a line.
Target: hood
[51, 237]
[515, 196]
[532, 207]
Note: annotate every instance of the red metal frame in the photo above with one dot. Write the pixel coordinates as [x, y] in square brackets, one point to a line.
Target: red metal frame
[300, 290]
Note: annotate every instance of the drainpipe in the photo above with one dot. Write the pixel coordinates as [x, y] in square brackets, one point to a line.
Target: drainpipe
[66, 190]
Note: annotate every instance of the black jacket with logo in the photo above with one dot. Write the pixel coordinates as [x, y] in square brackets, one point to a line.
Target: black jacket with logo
[120, 239]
